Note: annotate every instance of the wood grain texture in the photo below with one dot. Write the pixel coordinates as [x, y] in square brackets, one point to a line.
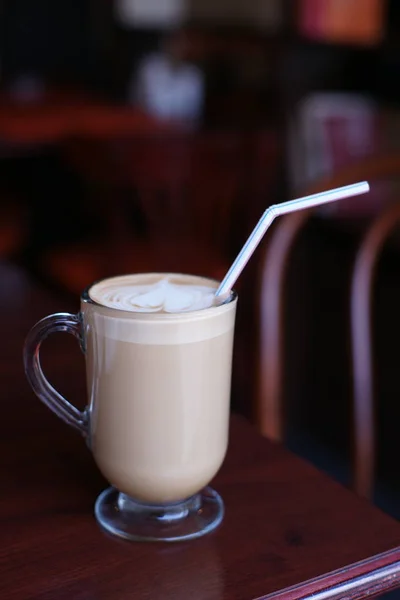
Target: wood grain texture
[286, 524]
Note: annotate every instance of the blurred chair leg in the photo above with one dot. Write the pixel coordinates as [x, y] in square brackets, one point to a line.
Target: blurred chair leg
[361, 342]
[273, 275]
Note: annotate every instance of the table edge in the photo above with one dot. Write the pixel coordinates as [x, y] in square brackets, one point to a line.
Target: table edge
[369, 577]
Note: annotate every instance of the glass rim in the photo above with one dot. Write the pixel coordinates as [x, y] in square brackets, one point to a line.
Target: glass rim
[86, 298]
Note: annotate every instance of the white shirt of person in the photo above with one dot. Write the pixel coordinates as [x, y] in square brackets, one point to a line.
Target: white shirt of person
[168, 91]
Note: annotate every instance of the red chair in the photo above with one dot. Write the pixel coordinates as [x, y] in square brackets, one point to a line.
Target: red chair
[190, 188]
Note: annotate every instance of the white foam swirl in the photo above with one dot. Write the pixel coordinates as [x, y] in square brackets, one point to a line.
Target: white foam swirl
[161, 296]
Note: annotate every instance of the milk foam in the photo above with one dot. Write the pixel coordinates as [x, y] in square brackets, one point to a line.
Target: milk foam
[164, 295]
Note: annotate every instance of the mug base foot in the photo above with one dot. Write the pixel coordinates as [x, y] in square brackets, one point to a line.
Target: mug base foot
[123, 517]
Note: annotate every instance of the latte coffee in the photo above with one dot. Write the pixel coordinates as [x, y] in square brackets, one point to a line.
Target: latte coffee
[159, 354]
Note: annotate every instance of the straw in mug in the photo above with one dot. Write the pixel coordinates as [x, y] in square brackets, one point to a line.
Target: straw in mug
[277, 210]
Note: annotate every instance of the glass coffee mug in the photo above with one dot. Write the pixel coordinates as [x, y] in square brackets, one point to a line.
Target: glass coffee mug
[157, 416]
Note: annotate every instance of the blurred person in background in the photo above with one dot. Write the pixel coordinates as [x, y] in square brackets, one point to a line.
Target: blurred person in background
[166, 85]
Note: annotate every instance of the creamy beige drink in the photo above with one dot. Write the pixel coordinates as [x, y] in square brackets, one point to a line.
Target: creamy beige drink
[159, 358]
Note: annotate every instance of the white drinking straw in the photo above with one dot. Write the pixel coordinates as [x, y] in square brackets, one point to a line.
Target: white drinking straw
[282, 209]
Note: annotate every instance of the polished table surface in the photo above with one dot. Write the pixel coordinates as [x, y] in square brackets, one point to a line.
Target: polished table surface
[289, 531]
[66, 115]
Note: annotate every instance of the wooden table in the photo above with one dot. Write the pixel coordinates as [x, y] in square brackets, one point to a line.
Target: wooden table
[289, 531]
[64, 116]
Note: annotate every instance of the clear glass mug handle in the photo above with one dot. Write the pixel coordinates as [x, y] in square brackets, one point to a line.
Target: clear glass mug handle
[42, 388]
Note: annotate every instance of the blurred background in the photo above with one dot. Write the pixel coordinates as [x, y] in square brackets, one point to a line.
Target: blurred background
[140, 135]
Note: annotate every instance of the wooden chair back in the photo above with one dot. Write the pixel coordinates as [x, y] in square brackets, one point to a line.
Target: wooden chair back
[361, 305]
[196, 184]
[269, 402]
[187, 183]
[157, 168]
[217, 187]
